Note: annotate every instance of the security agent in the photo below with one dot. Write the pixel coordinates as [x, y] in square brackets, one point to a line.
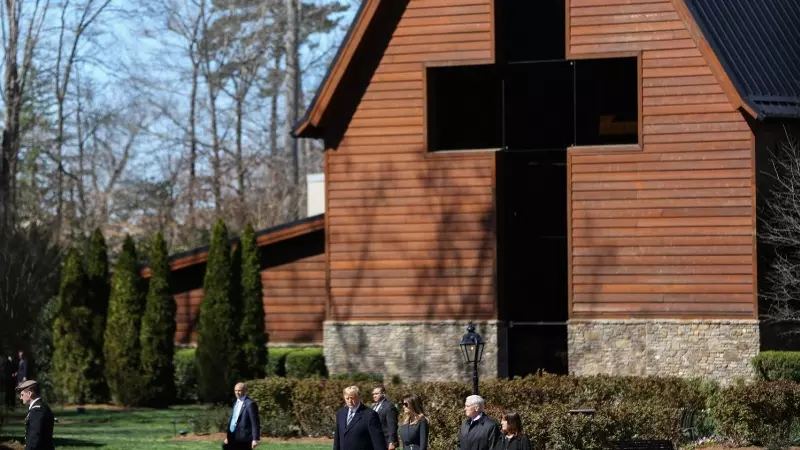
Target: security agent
[40, 420]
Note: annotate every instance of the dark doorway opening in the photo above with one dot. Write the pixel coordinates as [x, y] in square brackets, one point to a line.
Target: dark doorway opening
[607, 106]
[532, 258]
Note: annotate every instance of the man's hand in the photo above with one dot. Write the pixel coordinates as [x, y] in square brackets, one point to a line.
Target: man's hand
[254, 444]
[391, 446]
[225, 441]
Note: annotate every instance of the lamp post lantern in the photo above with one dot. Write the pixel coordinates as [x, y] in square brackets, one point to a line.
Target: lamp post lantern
[472, 349]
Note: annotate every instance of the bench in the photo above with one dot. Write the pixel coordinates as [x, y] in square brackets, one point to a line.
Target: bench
[643, 445]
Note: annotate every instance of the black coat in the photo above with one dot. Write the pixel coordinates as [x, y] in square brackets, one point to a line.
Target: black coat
[416, 435]
[483, 434]
[519, 442]
[39, 427]
[388, 415]
[363, 433]
[248, 427]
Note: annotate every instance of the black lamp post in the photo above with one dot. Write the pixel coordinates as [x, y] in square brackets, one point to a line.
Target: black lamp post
[472, 349]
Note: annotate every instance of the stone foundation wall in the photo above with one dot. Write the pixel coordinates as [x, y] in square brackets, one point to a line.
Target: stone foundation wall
[415, 351]
[716, 349]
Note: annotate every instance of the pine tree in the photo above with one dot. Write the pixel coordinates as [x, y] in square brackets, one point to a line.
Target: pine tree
[158, 330]
[236, 311]
[97, 302]
[121, 347]
[72, 334]
[253, 336]
[216, 338]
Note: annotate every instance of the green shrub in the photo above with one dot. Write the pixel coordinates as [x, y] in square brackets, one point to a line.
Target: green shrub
[72, 339]
[121, 341]
[276, 361]
[757, 413]
[216, 344]
[185, 376]
[97, 301]
[274, 399]
[774, 366]
[210, 420]
[158, 331]
[252, 334]
[306, 363]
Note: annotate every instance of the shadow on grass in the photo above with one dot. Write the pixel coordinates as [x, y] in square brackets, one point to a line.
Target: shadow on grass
[69, 442]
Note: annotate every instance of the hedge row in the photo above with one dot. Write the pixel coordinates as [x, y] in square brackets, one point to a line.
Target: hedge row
[626, 407]
[282, 362]
[760, 413]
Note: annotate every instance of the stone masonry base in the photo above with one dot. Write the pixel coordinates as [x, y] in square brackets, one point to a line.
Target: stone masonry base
[715, 349]
[414, 351]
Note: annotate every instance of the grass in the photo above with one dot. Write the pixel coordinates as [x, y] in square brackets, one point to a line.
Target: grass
[129, 429]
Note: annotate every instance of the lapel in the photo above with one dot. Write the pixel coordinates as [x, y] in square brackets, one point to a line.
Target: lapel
[241, 412]
[356, 417]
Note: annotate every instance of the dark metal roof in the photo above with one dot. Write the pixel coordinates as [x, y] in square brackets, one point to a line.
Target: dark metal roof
[232, 241]
[758, 45]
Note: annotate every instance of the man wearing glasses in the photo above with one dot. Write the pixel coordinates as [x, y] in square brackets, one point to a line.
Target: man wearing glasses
[387, 412]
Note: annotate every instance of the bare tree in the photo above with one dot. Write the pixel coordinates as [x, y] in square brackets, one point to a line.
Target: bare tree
[780, 219]
[17, 74]
[66, 57]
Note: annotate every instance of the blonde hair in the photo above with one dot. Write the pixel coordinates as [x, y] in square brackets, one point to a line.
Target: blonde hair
[415, 410]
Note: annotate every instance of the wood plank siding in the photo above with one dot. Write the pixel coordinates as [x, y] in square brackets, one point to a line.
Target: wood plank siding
[294, 303]
[666, 231]
[410, 234]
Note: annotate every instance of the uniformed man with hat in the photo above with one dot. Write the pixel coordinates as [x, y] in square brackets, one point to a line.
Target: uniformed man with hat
[40, 420]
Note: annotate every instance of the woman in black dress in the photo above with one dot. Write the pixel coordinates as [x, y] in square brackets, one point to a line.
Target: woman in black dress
[413, 424]
[514, 439]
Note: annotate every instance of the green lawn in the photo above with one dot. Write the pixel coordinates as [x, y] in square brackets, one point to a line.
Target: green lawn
[129, 429]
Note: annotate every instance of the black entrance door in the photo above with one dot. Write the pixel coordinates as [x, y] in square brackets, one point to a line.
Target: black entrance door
[532, 258]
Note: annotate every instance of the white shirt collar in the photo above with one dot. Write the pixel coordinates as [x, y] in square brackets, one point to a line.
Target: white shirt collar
[355, 408]
[477, 417]
[30, 405]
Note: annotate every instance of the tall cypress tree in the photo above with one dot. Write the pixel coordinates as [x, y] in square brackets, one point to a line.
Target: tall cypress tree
[252, 333]
[121, 347]
[158, 330]
[72, 355]
[237, 310]
[216, 335]
[97, 302]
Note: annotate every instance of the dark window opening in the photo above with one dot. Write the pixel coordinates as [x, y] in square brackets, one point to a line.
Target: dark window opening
[607, 106]
[530, 30]
[539, 106]
[464, 109]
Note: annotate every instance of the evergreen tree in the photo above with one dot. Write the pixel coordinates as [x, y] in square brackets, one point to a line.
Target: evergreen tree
[97, 302]
[121, 346]
[216, 334]
[237, 311]
[72, 356]
[253, 336]
[158, 330]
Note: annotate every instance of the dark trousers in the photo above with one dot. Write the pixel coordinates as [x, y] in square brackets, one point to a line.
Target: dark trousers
[236, 445]
[11, 397]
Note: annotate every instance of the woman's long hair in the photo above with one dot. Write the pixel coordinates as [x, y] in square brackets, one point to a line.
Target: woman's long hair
[514, 422]
[415, 411]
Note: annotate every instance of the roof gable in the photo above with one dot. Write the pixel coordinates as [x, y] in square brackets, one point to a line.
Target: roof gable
[757, 43]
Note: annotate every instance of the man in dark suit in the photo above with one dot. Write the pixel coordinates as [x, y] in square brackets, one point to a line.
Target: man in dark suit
[244, 429]
[40, 421]
[387, 412]
[479, 431]
[22, 370]
[357, 427]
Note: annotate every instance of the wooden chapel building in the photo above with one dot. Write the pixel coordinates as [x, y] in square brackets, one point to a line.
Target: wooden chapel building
[577, 177]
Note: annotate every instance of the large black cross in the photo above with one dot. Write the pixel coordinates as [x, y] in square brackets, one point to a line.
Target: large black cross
[532, 97]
